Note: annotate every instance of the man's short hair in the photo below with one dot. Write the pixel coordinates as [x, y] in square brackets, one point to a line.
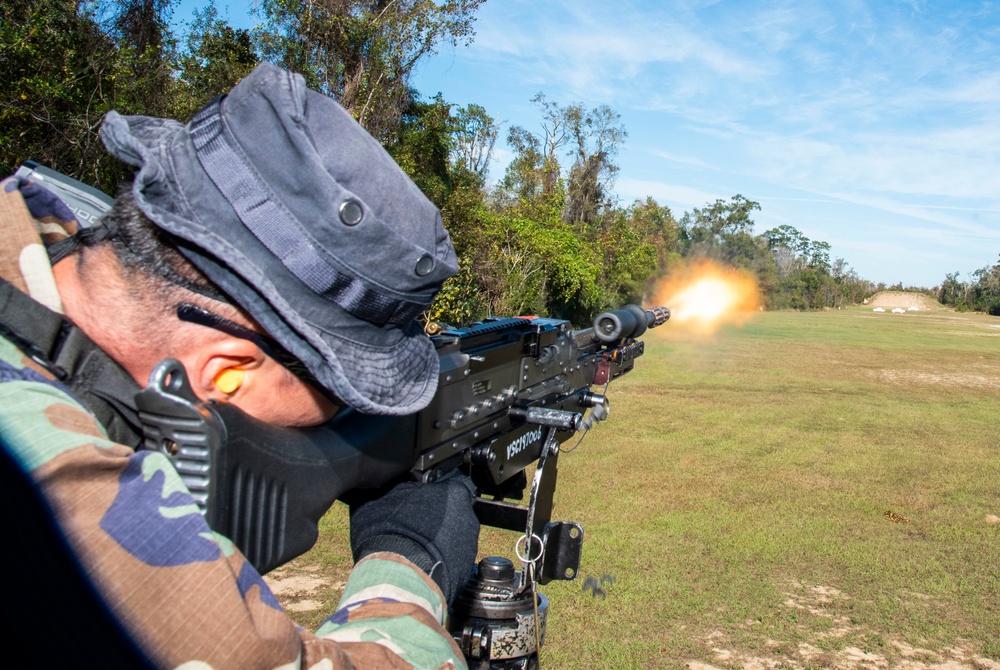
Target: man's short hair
[148, 254]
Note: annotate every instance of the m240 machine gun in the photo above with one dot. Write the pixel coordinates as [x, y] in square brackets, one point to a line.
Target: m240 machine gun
[512, 392]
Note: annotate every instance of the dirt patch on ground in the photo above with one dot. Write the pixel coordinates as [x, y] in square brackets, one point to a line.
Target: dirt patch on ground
[297, 588]
[905, 300]
[954, 379]
[838, 648]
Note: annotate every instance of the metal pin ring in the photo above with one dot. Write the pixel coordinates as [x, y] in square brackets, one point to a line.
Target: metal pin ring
[517, 549]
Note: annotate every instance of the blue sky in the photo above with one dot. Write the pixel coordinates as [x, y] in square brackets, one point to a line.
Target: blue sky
[871, 125]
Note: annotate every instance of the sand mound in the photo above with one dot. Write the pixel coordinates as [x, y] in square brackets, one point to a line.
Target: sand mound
[904, 299]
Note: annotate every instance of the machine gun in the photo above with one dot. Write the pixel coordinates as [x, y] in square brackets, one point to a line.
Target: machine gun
[512, 392]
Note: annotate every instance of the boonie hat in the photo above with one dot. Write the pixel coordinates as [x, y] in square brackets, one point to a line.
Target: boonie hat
[283, 200]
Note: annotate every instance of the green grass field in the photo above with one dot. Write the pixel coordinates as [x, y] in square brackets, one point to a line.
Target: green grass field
[806, 491]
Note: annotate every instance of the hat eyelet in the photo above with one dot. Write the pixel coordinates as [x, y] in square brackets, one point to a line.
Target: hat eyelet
[351, 212]
[424, 265]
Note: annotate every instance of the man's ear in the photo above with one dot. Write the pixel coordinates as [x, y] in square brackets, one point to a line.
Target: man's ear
[220, 369]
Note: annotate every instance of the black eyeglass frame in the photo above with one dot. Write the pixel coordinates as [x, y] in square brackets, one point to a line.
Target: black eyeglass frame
[192, 313]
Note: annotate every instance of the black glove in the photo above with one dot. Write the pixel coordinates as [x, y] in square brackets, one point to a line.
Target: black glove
[431, 524]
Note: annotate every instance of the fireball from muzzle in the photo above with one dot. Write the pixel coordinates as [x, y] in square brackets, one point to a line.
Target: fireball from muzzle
[704, 296]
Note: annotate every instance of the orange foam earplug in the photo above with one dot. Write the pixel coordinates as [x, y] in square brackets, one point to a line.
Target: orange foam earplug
[229, 380]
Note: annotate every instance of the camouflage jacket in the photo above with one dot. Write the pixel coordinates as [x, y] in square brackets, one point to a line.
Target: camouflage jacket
[185, 594]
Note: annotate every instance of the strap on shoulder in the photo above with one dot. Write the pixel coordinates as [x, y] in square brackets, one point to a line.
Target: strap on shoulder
[93, 377]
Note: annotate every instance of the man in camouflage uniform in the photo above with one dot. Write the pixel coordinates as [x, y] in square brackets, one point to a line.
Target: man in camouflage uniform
[285, 229]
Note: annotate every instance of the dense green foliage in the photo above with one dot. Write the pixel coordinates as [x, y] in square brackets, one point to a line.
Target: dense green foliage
[981, 293]
[64, 64]
[548, 236]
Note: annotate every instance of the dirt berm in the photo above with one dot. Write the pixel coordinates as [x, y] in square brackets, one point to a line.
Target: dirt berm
[904, 299]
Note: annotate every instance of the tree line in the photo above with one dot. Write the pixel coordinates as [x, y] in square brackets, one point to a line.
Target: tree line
[979, 293]
[548, 236]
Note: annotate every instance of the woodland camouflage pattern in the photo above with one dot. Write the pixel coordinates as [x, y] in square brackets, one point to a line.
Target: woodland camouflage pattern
[186, 594]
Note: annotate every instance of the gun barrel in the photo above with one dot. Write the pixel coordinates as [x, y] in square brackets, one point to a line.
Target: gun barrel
[629, 321]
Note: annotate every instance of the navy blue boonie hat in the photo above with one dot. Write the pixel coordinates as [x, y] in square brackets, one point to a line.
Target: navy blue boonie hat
[282, 199]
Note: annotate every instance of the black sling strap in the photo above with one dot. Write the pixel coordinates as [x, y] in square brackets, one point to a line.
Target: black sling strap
[92, 376]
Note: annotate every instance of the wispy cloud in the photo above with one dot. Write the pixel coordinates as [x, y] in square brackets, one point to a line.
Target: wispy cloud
[688, 161]
[678, 197]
